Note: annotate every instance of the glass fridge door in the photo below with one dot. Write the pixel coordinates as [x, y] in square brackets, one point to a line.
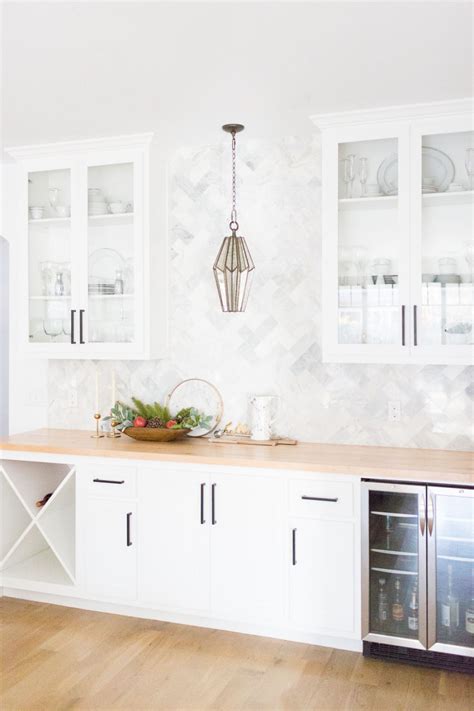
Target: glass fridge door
[450, 523]
[394, 564]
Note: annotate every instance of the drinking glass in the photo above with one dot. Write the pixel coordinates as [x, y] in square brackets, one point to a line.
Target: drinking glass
[53, 195]
[469, 163]
[53, 327]
[363, 175]
[349, 173]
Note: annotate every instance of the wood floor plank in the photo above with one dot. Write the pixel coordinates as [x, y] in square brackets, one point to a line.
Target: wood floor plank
[54, 658]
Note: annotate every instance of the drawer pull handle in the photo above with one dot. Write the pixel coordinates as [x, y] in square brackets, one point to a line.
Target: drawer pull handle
[320, 498]
[108, 481]
[293, 546]
[129, 539]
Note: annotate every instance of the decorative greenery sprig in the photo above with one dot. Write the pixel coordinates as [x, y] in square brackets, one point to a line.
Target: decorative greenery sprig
[188, 418]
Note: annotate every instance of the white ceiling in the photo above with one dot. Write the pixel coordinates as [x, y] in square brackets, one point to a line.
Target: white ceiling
[85, 69]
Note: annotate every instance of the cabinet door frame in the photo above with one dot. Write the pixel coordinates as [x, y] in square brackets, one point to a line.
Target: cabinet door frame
[442, 354]
[333, 351]
[24, 168]
[193, 480]
[432, 493]
[420, 491]
[137, 347]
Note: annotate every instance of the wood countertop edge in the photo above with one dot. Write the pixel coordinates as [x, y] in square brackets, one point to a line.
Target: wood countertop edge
[236, 455]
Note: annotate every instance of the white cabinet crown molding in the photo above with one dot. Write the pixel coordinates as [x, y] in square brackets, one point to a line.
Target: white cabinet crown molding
[408, 112]
[75, 147]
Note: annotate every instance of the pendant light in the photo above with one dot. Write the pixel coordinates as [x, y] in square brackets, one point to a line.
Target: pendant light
[233, 268]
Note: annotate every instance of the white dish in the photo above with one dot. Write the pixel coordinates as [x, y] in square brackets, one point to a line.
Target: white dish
[36, 213]
[435, 164]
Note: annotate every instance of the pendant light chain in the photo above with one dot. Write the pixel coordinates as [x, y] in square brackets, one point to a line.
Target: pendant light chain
[234, 225]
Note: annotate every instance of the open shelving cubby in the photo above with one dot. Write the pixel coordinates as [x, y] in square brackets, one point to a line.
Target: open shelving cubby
[37, 544]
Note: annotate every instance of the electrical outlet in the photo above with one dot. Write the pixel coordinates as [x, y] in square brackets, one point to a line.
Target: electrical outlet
[394, 411]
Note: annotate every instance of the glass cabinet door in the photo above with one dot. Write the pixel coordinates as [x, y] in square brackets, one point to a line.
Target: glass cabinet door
[451, 570]
[444, 290]
[111, 256]
[395, 565]
[51, 278]
[372, 264]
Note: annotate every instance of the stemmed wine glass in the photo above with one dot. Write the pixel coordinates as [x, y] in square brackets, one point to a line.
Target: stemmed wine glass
[469, 163]
[349, 172]
[363, 175]
[53, 195]
[53, 327]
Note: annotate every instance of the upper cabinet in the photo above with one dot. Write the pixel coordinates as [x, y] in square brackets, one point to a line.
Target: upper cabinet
[398, 246]
[91, 250]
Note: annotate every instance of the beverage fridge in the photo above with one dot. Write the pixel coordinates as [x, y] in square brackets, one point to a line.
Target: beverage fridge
[418, 573]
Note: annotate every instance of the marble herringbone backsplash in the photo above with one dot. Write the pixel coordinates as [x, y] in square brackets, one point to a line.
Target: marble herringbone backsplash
[275, 347]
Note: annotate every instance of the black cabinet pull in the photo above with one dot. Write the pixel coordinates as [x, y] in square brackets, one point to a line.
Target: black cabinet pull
[403, 326]
[203, 520]
[415, 325]
[129, 540]
[73, 318]
[213, 504]
[319, 498]
[81, 327]
[293, 546]
[108, 481]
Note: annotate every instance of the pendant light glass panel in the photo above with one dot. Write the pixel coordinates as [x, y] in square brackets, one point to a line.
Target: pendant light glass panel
[233, 272]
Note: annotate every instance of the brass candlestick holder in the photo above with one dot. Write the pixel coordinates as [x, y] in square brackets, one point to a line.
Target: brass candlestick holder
[114, 433]
[97, 434]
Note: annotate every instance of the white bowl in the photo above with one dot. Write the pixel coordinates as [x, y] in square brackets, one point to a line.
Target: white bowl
[36, 213]
[117, 208]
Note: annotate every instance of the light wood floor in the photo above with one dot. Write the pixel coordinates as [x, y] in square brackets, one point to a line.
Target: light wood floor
[58, 658]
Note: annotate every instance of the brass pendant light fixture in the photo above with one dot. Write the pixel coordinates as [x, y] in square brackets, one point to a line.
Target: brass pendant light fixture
[233, 268]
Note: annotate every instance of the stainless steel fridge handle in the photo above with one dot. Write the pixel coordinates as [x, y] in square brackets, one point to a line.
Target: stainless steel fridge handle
[430, 514]
[422, 513]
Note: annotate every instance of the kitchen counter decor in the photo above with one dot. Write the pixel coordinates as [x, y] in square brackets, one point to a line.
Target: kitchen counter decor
[154, 422]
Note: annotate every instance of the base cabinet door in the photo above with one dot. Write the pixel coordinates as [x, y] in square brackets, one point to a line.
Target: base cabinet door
[322, 576]
[110, 551]
[247, 551]
[173, 569]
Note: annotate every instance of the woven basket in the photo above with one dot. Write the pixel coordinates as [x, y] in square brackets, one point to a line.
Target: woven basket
[155, 434]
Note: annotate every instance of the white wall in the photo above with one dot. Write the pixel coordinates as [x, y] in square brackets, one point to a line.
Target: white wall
[3, 336]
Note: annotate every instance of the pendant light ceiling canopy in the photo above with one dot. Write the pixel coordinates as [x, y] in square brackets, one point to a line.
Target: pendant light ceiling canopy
[233, 268]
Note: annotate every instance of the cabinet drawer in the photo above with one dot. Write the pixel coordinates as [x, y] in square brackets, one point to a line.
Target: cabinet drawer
[333, 499]
[113, 482]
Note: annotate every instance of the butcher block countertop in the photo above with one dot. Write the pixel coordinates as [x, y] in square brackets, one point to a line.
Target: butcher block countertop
[427, 465]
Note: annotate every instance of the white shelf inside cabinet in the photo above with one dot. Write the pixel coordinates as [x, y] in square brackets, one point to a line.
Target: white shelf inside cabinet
[65, 297]
[381, 201]
[111, 296]
[120, 217]
[463, 197]
[50, 221]
[38, 544]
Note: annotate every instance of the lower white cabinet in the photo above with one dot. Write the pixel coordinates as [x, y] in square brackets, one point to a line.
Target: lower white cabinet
[322, 575]
[110, 548]
[247, 549]
[173, 539]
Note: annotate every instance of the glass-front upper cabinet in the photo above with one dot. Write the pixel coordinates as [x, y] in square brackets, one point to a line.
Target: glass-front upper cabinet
[113, 255]
[51, 280]
[84, 255]
[366, 290]
[395, 567]
[451, 566]
[397, 225]
[443, 290]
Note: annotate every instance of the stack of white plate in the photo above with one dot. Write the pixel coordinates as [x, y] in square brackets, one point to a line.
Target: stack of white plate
[97, 204]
